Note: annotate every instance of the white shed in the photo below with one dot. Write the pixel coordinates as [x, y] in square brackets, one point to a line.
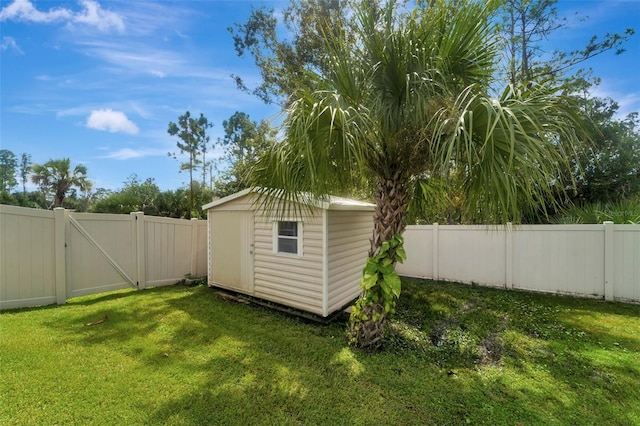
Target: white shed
[312, 262]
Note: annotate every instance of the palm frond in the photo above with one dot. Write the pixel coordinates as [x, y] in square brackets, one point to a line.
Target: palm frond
[512, 149]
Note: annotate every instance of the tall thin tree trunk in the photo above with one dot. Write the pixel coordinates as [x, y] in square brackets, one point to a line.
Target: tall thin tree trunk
[191, 155]
[525, 53]
[512, 45]
[204, 168]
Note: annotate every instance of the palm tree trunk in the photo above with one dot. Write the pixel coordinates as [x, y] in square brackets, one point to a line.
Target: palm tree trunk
[59, 198]
[390, 215]
[389, 219]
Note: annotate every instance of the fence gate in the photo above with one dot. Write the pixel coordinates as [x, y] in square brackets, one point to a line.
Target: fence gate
[101, 253]
[48, 257]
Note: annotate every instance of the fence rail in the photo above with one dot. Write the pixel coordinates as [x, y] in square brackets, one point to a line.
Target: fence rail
[47, 256]
[586, 260]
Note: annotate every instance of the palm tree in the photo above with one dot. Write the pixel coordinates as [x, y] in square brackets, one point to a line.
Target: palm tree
[56, 176]
[407, 101]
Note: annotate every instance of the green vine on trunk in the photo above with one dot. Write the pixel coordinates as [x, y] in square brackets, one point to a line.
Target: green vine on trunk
[381, 287]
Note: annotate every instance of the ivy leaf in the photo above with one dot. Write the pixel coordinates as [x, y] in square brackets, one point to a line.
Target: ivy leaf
[394, 283]
[401, 254]
[387, 270]
[369, 281]
[371, 267]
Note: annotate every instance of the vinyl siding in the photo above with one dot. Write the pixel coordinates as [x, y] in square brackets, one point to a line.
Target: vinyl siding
[348, 241]
[243, 203]
[298, 281]
[288, 279]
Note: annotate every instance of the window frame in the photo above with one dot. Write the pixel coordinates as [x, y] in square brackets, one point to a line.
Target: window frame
[277, 236]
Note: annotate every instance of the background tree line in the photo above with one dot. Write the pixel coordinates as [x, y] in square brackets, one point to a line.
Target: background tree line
[60, 184]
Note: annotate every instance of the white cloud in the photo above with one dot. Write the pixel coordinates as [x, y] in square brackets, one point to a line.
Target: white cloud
[136, 57]
[94, 15]
[112, 121]
[140, 110]
[91, 14]
[128, 153]
[10, 43]
[23, 10]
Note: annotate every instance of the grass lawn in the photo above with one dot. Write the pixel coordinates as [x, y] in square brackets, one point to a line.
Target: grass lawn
[456, 355]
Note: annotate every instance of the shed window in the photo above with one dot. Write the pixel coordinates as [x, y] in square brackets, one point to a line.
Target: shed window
[288, 237]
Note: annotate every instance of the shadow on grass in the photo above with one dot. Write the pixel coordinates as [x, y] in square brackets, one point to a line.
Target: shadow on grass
[227, 363]
[100, 298]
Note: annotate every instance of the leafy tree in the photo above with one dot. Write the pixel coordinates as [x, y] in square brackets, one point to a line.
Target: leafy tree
[8, 166]
[77, 200]
[438, 199]
[33, 199]
[174, 203]
[8, 199]
[607, 168]
[134, 196]
[409, 99]
[25, 169]
[193, 139]
[283, 62]
[56, 177]
[526, 23]
[611, 170]
[146, 196]
[244, 140]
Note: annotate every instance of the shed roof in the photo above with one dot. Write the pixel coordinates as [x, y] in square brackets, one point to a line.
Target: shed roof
[330, 203]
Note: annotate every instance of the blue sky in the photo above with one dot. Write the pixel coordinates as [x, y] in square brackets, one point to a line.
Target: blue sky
[99, 81]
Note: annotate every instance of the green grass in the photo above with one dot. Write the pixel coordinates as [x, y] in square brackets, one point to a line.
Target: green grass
[456, 355]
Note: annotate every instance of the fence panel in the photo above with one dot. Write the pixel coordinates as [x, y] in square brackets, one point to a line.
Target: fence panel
[27, 257]
[472, 254]
[168, 245]
[202, 248]
[626, 242]
[559, 259]
[419, 248]
[585, 260]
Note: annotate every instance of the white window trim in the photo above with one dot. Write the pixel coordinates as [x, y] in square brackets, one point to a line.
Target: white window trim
[300, 237]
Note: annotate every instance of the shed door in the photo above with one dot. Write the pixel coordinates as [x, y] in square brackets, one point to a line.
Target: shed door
[232, 250]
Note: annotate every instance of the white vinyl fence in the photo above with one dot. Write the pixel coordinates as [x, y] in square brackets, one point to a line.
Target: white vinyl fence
[587, 260]
[47, 256]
